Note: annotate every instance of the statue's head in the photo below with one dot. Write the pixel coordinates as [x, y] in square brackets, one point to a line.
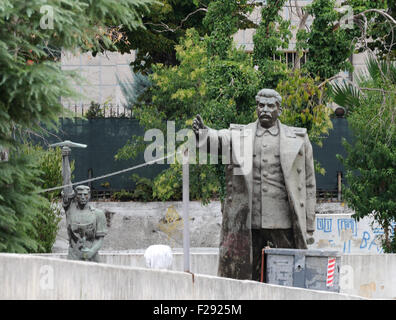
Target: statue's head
[83, 194]
[268, 107]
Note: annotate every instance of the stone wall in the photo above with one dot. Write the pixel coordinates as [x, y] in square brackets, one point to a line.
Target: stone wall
[136, 225]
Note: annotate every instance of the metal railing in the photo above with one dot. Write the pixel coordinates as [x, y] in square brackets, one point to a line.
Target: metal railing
[328, 196]
[96, 110]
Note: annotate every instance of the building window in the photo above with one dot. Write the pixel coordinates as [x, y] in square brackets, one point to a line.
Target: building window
[290, 58]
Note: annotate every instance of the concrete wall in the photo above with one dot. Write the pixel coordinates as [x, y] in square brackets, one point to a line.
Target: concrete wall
[135, 225]
[370, 276]
[32, 277]
[203, 261]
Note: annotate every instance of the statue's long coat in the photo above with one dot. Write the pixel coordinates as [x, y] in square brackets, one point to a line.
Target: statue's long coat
[235, 258]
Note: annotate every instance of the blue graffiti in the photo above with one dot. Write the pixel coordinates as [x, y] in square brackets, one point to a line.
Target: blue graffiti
[324, 224]
[393, 225]
[365, 242]
[347, 246]
[347, 224]
[365, 238]
[378, 230]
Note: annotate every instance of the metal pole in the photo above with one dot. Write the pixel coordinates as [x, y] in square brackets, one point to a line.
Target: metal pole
[339, 185]
[186, 228]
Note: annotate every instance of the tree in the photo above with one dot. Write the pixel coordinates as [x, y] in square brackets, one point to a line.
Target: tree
[212, 78]
[329, 47]
[220, 82]
[272, 35]
[376, 30]
[165, 25]
[31, 84]
[371, 159]
[220, 90]
[304, 105]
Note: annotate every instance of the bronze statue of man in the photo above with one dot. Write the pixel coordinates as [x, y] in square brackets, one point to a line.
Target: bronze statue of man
[272, 202]
[86, 226]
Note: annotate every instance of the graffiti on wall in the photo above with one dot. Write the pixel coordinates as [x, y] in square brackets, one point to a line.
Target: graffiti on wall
[343, 233]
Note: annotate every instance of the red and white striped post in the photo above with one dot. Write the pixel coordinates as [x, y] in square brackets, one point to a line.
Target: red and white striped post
[330, 271]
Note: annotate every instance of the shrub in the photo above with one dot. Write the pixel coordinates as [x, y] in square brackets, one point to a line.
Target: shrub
[46, 224]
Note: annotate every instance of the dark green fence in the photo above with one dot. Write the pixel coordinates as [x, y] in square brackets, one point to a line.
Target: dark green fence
[106, 136]
[326, 155]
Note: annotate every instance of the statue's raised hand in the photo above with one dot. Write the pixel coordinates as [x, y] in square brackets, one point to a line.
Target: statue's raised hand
[66, 151]
[198, 124]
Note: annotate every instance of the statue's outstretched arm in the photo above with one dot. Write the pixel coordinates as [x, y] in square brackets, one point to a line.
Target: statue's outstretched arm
[210, 140]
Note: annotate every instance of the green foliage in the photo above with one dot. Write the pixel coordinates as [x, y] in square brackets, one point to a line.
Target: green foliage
[303, 105]
[142, 192]
[32, 223]
[168, 184]
[328, 46]
[164, 24]
[31, 84]
[45, 222]
[95, 111]
[24, 52]
[379, 35]
[122, 196]
[168, 22]
[105, 184]
[221, 30]
[221, 89]
[204, 183]
[272, 35]
[371, 160]
[18, 202]
[362, 5]
[219, 82]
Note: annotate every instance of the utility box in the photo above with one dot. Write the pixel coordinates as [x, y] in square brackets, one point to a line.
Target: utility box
[310, 269]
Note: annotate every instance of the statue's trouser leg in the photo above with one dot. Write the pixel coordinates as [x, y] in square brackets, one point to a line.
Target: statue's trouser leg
[275, 238]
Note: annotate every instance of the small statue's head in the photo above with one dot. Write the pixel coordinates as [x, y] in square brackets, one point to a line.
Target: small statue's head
[83, 194]
[269, 107]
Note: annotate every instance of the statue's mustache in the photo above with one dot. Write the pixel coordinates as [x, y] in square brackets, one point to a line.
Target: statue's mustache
[265, 115]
